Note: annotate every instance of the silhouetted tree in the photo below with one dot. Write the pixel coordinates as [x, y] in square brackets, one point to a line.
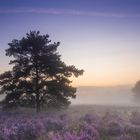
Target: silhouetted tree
[136, 91]
[38, 78]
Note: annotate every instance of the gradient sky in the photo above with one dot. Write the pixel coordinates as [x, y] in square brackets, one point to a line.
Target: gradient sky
[100, 36]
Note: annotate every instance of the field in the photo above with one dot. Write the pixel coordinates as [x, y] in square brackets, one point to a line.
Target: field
[79, 122]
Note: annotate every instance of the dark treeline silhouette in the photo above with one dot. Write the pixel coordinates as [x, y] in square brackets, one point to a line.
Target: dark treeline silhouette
[38, 78]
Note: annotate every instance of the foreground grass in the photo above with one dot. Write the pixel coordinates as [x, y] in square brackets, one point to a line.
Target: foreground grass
[62, 126]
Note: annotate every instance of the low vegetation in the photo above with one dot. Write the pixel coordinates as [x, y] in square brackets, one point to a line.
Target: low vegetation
[60, 126]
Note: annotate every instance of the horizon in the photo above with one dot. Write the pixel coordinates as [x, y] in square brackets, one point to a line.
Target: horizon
[101, 37]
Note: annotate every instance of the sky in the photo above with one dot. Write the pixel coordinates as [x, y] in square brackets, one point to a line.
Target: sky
[100, 36]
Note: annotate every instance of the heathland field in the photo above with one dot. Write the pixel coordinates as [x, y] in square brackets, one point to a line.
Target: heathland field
[79, 122]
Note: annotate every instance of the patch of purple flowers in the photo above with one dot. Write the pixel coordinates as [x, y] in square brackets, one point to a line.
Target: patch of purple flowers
[19, 126]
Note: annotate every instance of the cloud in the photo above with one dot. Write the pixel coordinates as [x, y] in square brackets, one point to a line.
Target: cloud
[67, 12]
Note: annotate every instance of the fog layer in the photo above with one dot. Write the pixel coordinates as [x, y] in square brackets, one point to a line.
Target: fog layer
[119, 95]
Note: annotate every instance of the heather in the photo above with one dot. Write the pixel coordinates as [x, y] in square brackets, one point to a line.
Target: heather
[58, 125]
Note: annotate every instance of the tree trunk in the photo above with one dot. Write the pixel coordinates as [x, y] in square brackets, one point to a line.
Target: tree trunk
[37, 103]
[38, 109]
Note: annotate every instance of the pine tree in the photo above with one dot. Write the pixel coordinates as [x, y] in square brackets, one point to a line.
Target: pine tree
[39, 78]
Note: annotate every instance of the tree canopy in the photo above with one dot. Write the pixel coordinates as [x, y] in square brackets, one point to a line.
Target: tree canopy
[39, 78]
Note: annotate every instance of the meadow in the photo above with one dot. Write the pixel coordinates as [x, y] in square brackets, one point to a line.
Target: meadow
[83, 122]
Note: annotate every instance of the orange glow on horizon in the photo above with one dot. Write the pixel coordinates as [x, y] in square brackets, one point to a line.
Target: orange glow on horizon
[106, 80]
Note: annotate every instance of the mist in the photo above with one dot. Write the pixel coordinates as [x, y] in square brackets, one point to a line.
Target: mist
[118, 95]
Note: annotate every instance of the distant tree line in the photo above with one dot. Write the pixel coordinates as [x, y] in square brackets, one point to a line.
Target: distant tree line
[136, 91]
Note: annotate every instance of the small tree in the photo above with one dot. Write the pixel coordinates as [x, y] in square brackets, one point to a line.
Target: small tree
[38, 78]
[136, 91]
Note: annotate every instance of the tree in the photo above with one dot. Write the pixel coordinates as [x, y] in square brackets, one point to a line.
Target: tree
[136, 91]
[38, 78]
